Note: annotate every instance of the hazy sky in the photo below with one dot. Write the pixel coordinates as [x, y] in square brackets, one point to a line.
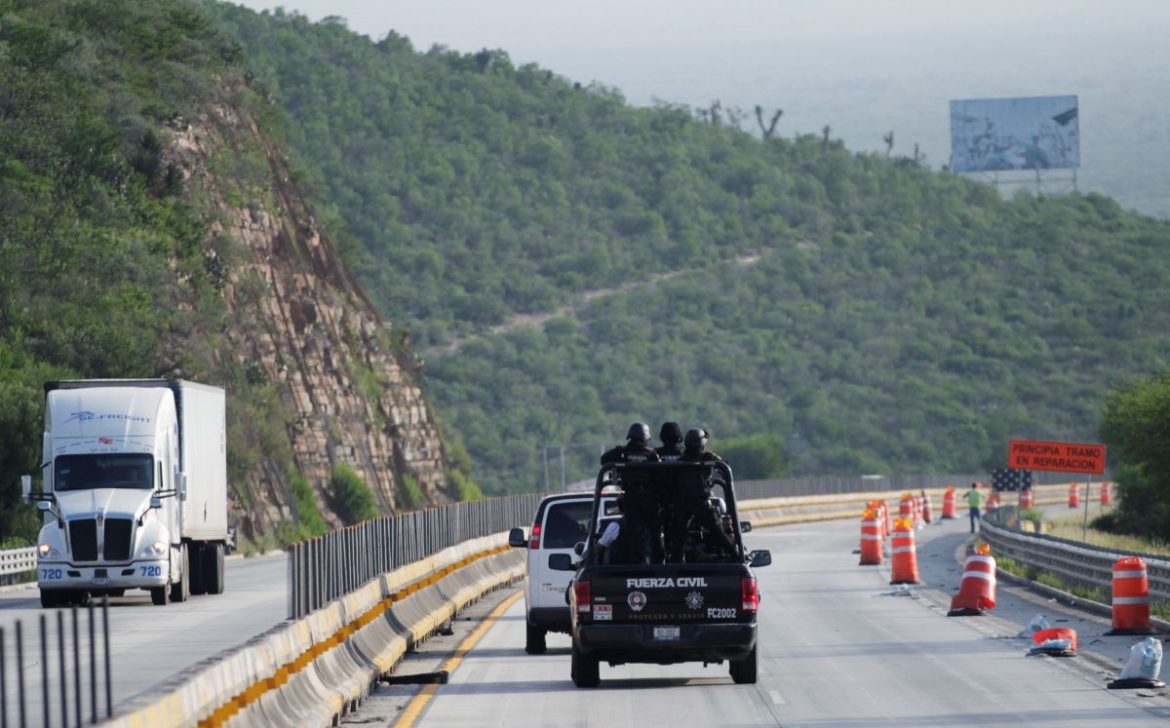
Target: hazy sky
[862, 66]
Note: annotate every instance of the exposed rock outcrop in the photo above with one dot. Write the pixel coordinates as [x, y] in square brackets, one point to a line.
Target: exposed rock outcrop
[298, 319]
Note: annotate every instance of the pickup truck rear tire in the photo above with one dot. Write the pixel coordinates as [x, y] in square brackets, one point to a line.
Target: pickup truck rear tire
[50, 598]
[743, 672]
[585, 671]
[534, 643]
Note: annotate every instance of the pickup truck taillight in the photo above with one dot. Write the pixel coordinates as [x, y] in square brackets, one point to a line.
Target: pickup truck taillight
[534, 542]
[749, 593]
[584, 595]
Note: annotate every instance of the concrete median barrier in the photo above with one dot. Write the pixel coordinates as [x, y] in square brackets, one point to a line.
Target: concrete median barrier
[308, 671]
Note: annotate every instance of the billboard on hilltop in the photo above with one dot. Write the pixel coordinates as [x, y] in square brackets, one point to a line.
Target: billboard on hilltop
[1037, 132]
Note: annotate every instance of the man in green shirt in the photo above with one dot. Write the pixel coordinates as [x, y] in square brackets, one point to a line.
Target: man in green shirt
[974, 500]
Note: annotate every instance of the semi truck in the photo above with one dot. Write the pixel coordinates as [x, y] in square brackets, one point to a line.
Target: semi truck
[133, 490]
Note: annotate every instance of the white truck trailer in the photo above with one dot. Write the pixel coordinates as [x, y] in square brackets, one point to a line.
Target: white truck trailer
[134, 490]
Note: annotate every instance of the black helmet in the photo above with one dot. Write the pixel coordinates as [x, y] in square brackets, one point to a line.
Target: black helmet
[696, 439]
[638, 432]
[670, 433]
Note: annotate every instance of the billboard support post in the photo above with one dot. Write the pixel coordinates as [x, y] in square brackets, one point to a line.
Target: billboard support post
[1085, 526]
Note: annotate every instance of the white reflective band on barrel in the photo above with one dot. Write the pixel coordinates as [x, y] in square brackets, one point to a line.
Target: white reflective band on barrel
[977, 559]
[1130, 574]
[902, 550]
[979, 575]
[870, 537]
[1131, 600]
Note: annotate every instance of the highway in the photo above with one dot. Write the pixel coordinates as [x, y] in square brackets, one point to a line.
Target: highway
[840, 647]
[149, 644]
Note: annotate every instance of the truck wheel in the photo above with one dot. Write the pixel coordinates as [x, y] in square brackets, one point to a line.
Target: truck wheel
[50, 598]
[585, 671]
[160, 595]
[198, 578]
[213, 568]
[534, 643]
[744, 671]
[181, 590]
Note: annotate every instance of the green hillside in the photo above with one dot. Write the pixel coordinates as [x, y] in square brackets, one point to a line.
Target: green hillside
[876, 316]
[105, 269]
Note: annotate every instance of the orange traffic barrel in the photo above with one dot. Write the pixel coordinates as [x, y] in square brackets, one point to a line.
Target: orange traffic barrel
[871, 538]
[992, 502]
[1025, 499]
[906, 507]
[1074, 496]
[904, 558]
[927, 511]
[949, 502]
[1131, 597]
[1058, 641]
[1106, 498]
[977, 590]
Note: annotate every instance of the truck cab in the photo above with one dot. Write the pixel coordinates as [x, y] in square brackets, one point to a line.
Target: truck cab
[653, 609]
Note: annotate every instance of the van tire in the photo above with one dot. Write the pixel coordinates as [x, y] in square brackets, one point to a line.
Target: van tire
[534, 643]
[585, 671]
[744, 671]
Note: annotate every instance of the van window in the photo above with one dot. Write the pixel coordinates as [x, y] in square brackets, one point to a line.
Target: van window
[566, 524]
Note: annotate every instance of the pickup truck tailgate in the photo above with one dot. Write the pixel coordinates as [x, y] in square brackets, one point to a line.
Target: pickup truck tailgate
[667, 594]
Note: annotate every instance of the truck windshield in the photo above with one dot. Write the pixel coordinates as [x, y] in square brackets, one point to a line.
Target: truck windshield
[86, 472]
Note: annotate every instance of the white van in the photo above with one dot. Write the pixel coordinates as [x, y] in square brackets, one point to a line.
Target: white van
[561, 522]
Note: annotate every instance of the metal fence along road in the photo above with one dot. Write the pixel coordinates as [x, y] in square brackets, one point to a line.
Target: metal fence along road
[16, 562]
[51, 687]
[1077, 564]
[325, 568]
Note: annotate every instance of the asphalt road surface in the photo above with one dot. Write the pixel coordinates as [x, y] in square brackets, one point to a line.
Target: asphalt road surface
[839, 647]
[148, 644]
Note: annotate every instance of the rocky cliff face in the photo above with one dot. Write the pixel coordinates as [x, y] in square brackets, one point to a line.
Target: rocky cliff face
[297, 321]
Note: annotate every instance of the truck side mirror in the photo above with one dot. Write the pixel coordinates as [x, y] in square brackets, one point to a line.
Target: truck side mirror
[516, 538]
[182, 487]
[155, 501]
[745, 526]
[760, 557]
[44, 505]
[25, 486]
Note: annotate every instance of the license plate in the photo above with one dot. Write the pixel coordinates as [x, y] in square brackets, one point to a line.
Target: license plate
[666, 633]
[101, 580]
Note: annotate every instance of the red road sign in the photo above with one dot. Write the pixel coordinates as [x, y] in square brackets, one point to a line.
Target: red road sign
[1067, 457]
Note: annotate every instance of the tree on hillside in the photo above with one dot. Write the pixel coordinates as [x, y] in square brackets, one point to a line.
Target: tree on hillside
[1136, 428]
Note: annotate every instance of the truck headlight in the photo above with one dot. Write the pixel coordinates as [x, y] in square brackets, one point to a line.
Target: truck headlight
[158, 548]
[45, 551]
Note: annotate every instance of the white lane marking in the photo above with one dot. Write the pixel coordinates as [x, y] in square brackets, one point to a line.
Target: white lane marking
[777, 698]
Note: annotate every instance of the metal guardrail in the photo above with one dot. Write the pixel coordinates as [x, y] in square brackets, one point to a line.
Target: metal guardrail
[1077, 564]
[14, 562]
[326, 568]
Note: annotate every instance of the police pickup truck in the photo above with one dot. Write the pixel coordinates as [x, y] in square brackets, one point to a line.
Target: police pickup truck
[645, 604]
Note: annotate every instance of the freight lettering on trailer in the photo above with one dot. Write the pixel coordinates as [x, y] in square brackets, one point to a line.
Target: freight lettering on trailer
[1068, 457]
